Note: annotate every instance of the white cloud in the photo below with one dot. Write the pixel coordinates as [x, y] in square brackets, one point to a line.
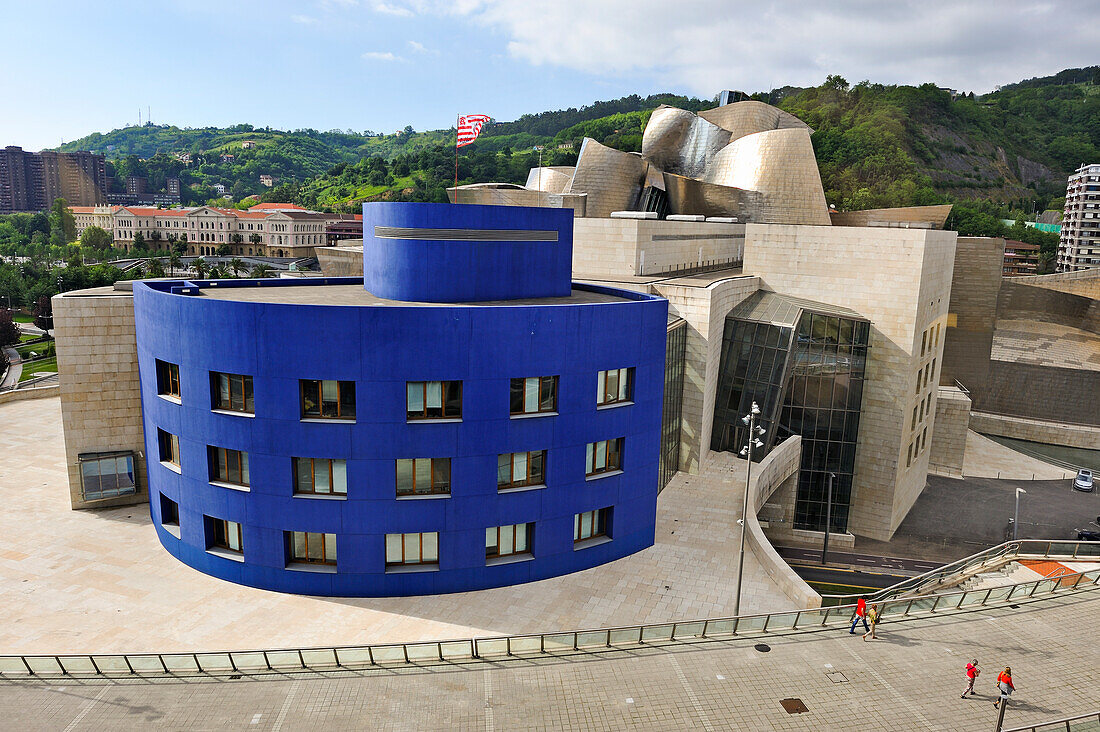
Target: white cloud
[392, 9]
[380, 56]
[303, 19]
[707, 45]
[418, 47]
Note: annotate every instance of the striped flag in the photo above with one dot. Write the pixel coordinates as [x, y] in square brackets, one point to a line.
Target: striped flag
[469, 127]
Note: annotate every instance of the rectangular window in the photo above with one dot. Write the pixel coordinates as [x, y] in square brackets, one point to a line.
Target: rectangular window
[328, 399]
[517, 469]
[307, 547]
[412, 549]
[423, 476]
[107, 475]
[909, 459]
[168, 379]
[932, 368]
[920, 376]
[433, 399]
[225, 535]
[913, 425]
[615, 386]
[534, 395]
[320, 476]
[228, 466]
[169, 447]
[506, 541]
[169, 511]
[923, 342]
[924, 438]
[590, 524]
[231, 392]
[604, 456]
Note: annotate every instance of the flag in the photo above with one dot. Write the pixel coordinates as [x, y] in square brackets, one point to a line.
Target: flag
[469, 127]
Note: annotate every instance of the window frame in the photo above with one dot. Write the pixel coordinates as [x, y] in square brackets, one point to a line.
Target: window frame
[528, 540]
[99, 458]
[423, 416]
[602, 399]
[512, 484]
[591, 452]
[172, 443]
[420, 562]
[246, 388]
[220, 532]
[297, 487]
[175, 512]
[520, 384]
[432, 489]
[341, 386]
[168, 379]
[213, 452]
[292, 558]
[599, 523]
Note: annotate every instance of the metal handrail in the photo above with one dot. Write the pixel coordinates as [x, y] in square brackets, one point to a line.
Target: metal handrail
[1007, 551]
[1063, 722]
[523, 645]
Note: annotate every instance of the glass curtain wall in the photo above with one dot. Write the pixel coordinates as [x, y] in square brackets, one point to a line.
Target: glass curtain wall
[675, 347]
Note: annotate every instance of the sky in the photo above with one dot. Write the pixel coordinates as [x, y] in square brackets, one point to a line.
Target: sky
[77, 67]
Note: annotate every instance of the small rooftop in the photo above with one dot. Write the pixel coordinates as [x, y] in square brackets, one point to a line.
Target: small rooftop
[772, 307]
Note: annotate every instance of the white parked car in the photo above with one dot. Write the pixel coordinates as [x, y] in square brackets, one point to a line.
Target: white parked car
[1083, 481]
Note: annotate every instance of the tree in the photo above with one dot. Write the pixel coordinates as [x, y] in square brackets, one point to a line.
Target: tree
[139, 242]
[173, 261]
[199, 265]
[9, 331]
[96, 238]
[236, 265]
[236, 238]
[153, 267]
[62, 223]
[224, 250]
[43, 314]
[260, 271]
[255, 238]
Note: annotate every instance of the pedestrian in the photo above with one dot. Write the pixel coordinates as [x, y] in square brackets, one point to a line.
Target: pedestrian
[1004, 683]
[861, 614]
[972, 672]
[872, 617]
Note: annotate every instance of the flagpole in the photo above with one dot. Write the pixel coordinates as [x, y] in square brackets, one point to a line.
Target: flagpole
[458, 121]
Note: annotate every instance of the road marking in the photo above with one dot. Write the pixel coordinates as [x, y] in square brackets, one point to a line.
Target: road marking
[286, 706]
[630, 700]
[489, 725]
[720, 677]
[703, 718]
[87, 708]
[256, 718]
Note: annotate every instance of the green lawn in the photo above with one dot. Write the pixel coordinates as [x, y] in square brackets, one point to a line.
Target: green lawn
[33, 369]
[21, 318]
[23, 338]
[42, 349]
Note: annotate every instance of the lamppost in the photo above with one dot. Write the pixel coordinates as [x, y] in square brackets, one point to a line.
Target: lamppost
[746, 451]
[539, 148]
[828, 516]
[1016, 515]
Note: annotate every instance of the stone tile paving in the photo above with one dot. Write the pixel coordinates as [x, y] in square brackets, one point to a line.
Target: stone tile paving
[908, 679]
[1045, 344]
[81, 581]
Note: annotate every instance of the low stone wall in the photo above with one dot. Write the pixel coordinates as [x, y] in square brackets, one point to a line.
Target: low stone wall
[1034, 430]
[1085, 282]
[37, 392]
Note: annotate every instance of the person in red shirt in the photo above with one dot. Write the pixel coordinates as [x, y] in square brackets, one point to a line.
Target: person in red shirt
[861, 614]
[972, 672]
[1004, 683]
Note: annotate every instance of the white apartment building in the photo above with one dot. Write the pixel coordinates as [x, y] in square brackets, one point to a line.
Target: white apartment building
[1079, 246]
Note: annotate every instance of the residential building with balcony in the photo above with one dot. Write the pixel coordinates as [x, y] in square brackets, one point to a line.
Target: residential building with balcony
[1079, 245]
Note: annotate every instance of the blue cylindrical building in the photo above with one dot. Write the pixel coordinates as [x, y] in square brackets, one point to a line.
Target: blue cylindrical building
[465, 419]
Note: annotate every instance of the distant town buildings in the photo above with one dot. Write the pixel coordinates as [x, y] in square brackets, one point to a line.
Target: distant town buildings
[248, 144]
[138, 193]
[31, 181]
[1021, 258]
[267, 180]
[1079, 246]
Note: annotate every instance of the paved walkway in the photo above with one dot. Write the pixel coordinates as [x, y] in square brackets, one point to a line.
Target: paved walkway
[908, 679]
[83, 581]
[986, 458]
[14, 370]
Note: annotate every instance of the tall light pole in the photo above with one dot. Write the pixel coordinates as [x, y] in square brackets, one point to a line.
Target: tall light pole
[1016, 515]
[746, 451]
[539, 148]
[828, 517]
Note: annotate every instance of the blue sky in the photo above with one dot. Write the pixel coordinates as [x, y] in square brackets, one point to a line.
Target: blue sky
[78, 67]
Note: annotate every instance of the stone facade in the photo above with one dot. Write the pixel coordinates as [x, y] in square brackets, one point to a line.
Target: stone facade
[900, 279]
[1085, 282]
[100, 389]
[342, 261]
[1034, 430]
[949, 437]
[975, 284]
[621, 247]
[906, 217]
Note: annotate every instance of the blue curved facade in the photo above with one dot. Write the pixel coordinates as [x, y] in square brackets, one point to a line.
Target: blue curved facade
[281, 332]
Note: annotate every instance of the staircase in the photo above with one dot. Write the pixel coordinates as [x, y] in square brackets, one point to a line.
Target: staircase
[1010, 574]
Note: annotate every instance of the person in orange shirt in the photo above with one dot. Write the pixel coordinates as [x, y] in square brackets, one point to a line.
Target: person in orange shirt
[861, 614]
[972, 672]
[1004, 683]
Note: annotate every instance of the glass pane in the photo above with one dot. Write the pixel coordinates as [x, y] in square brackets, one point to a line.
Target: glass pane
[549, 394]
[536, 471]
[601, 455]
[223, 390]
[412, 547]
[310, 395]
[321, 475]
[531, 395]
[248, 402]
[393, 548]
[612, 389]
[507, 539]
[586, 524]
[504, 468]
[347, 399]
[298, 547]
[404, 476]
[431, 547]
[491, 540]
[415, 395]
[244, 468]
[303, 474]
[517, 391]
[521, 537]
[330, 547]
[434, 395]
[90, 468]
[600, 378]
[441, 474]
[423, 475]
[233, 530]
[576, 527]
[519, 467]
[328, 391]
[588, 458]
[624, 384]
[223, 468]
[339, 476]
[314, 546]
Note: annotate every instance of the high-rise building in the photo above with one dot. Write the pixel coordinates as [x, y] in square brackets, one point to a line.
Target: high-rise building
[31, 181]
[1079, 247]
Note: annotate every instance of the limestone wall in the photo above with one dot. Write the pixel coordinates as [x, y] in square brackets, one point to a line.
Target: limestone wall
[949, 439]
[900, 279]
[975, 284]
[342, 261]
[100, 389]
[1085, 282]
[624, 247]
[34, 392]
[1034, 430]
[917, 217]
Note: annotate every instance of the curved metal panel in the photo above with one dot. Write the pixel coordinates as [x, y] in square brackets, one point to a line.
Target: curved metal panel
[690, 196]
[552, 179]
[750, 117]
[612, 179]
[681, 142]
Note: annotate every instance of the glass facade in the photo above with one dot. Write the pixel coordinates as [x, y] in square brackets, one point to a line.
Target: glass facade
[803, 363]
[672, 412]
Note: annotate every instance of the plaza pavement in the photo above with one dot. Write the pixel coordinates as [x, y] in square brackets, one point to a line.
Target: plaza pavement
[99, 581]
[908, 679]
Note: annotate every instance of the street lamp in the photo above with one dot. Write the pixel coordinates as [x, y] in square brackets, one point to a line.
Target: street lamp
[539, 148]
[828, 516]
[754, 431]
[1016, 516]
